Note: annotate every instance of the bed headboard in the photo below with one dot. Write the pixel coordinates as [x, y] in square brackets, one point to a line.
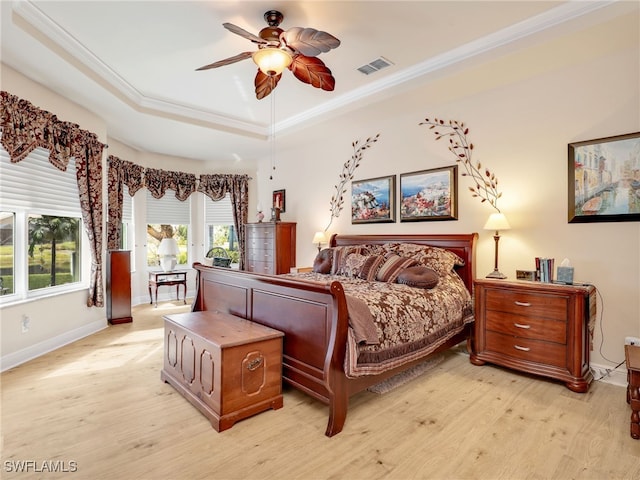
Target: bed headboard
[462, 245]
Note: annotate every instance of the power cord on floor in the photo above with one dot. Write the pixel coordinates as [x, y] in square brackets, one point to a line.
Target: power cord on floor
[608, 371]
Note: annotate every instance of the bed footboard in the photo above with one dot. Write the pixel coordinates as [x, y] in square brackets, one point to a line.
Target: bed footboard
[313, 349]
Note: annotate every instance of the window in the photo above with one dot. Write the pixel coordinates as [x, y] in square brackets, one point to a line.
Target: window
[54, 248]
[41, 239]
[219, 227]
[167, 217]
[7, 227]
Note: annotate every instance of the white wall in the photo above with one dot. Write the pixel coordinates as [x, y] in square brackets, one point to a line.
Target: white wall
[522, 111]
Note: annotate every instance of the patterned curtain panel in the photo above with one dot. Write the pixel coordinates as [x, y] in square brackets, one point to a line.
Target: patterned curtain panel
[120, 173]
[26, 127]
[217, 186]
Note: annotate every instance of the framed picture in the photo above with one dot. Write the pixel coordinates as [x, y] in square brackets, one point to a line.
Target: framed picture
[604, 179]
[278, 200]
[429, 195]
[373, 200]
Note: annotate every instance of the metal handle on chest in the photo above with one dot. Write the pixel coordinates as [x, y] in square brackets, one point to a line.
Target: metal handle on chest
[254, 364]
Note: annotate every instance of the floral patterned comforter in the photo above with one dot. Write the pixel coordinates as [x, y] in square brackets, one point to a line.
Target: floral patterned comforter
[410, 322]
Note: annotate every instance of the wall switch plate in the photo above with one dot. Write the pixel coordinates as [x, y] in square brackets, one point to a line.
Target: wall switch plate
[632, 341]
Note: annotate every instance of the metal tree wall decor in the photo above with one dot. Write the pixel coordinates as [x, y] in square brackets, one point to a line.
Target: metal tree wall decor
[349, 167]
[485, 182]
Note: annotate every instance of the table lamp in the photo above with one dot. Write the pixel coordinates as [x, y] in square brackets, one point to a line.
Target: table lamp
[497, 222]
[319, 238]
[167, 251]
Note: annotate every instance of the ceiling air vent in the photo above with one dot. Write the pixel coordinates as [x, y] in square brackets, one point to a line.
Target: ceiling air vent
[378, 64]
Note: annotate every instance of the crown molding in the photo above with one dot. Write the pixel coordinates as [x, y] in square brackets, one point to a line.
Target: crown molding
[62, 39]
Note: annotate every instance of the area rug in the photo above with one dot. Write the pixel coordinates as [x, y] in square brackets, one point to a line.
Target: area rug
[396, 381]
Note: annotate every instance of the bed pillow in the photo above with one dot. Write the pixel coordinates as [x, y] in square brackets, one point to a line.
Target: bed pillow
[419, 277]
[340, 254]
[323, 261]
[438, 259]
[363, 266]
[392, 266]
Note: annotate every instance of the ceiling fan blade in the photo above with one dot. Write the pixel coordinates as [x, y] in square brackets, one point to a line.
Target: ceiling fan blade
[227, 61]
[309, 41]
[313, 71]
[243, 33]
[265, 84]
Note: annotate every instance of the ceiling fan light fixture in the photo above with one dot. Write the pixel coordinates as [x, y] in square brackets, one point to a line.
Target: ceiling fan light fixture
[271, 60]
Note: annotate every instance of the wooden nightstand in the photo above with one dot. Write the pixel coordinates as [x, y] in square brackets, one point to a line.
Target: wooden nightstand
[535, 327]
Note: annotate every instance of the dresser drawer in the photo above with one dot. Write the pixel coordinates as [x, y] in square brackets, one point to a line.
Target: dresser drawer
[527, 327]
[259, 255]
[528, 303]
[527, 349]
[260, 243]
[260, 267]
[260, 233]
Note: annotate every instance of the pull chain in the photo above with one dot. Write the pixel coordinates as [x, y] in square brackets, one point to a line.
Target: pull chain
[273, 134]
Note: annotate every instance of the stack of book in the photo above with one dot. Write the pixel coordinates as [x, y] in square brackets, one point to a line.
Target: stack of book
[544, 269]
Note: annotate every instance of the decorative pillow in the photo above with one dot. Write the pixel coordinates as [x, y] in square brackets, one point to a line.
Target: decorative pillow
[340, 255]
[418, 276]
[392, 266]
[322, 262]
[438, 259]
[363, 266]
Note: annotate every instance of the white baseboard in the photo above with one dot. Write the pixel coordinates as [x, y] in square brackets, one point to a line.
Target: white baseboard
[606, 374]
[21, 356]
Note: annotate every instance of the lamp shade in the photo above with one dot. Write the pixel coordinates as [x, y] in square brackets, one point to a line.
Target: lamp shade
[319, 237]
[497, 221]
[272, 61]
[168, 246]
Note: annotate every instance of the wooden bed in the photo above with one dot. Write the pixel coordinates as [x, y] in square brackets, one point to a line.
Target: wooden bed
[314, 318]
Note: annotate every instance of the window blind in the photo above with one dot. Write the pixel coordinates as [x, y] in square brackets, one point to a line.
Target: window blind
[127, 207]
[34, 185]
[167, 210]
[218, 213]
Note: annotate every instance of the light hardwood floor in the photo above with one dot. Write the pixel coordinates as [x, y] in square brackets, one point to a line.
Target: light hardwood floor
[100, 404]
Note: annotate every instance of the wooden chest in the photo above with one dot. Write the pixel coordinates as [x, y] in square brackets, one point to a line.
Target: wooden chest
[229, 368]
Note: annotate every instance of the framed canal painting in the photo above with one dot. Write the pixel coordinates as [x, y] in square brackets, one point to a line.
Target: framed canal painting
[604, 179]
[429, 195]
[373, 200]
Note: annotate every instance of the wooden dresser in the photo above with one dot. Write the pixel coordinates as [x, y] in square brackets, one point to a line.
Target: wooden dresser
[118, 287]
[270, 247]
[535, 327]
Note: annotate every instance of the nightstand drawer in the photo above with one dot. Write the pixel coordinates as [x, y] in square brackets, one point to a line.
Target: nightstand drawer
[527, 327]
[526, 349]
[527, 303]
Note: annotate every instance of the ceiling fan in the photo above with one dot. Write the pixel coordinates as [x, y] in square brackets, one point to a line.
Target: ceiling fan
[296, 49]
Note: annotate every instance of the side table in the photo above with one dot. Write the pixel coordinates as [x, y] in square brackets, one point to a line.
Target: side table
[632, 359]
[160, 278]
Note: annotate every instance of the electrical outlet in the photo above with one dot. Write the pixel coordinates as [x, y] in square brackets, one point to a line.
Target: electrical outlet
[26, 323]
[632, 341]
